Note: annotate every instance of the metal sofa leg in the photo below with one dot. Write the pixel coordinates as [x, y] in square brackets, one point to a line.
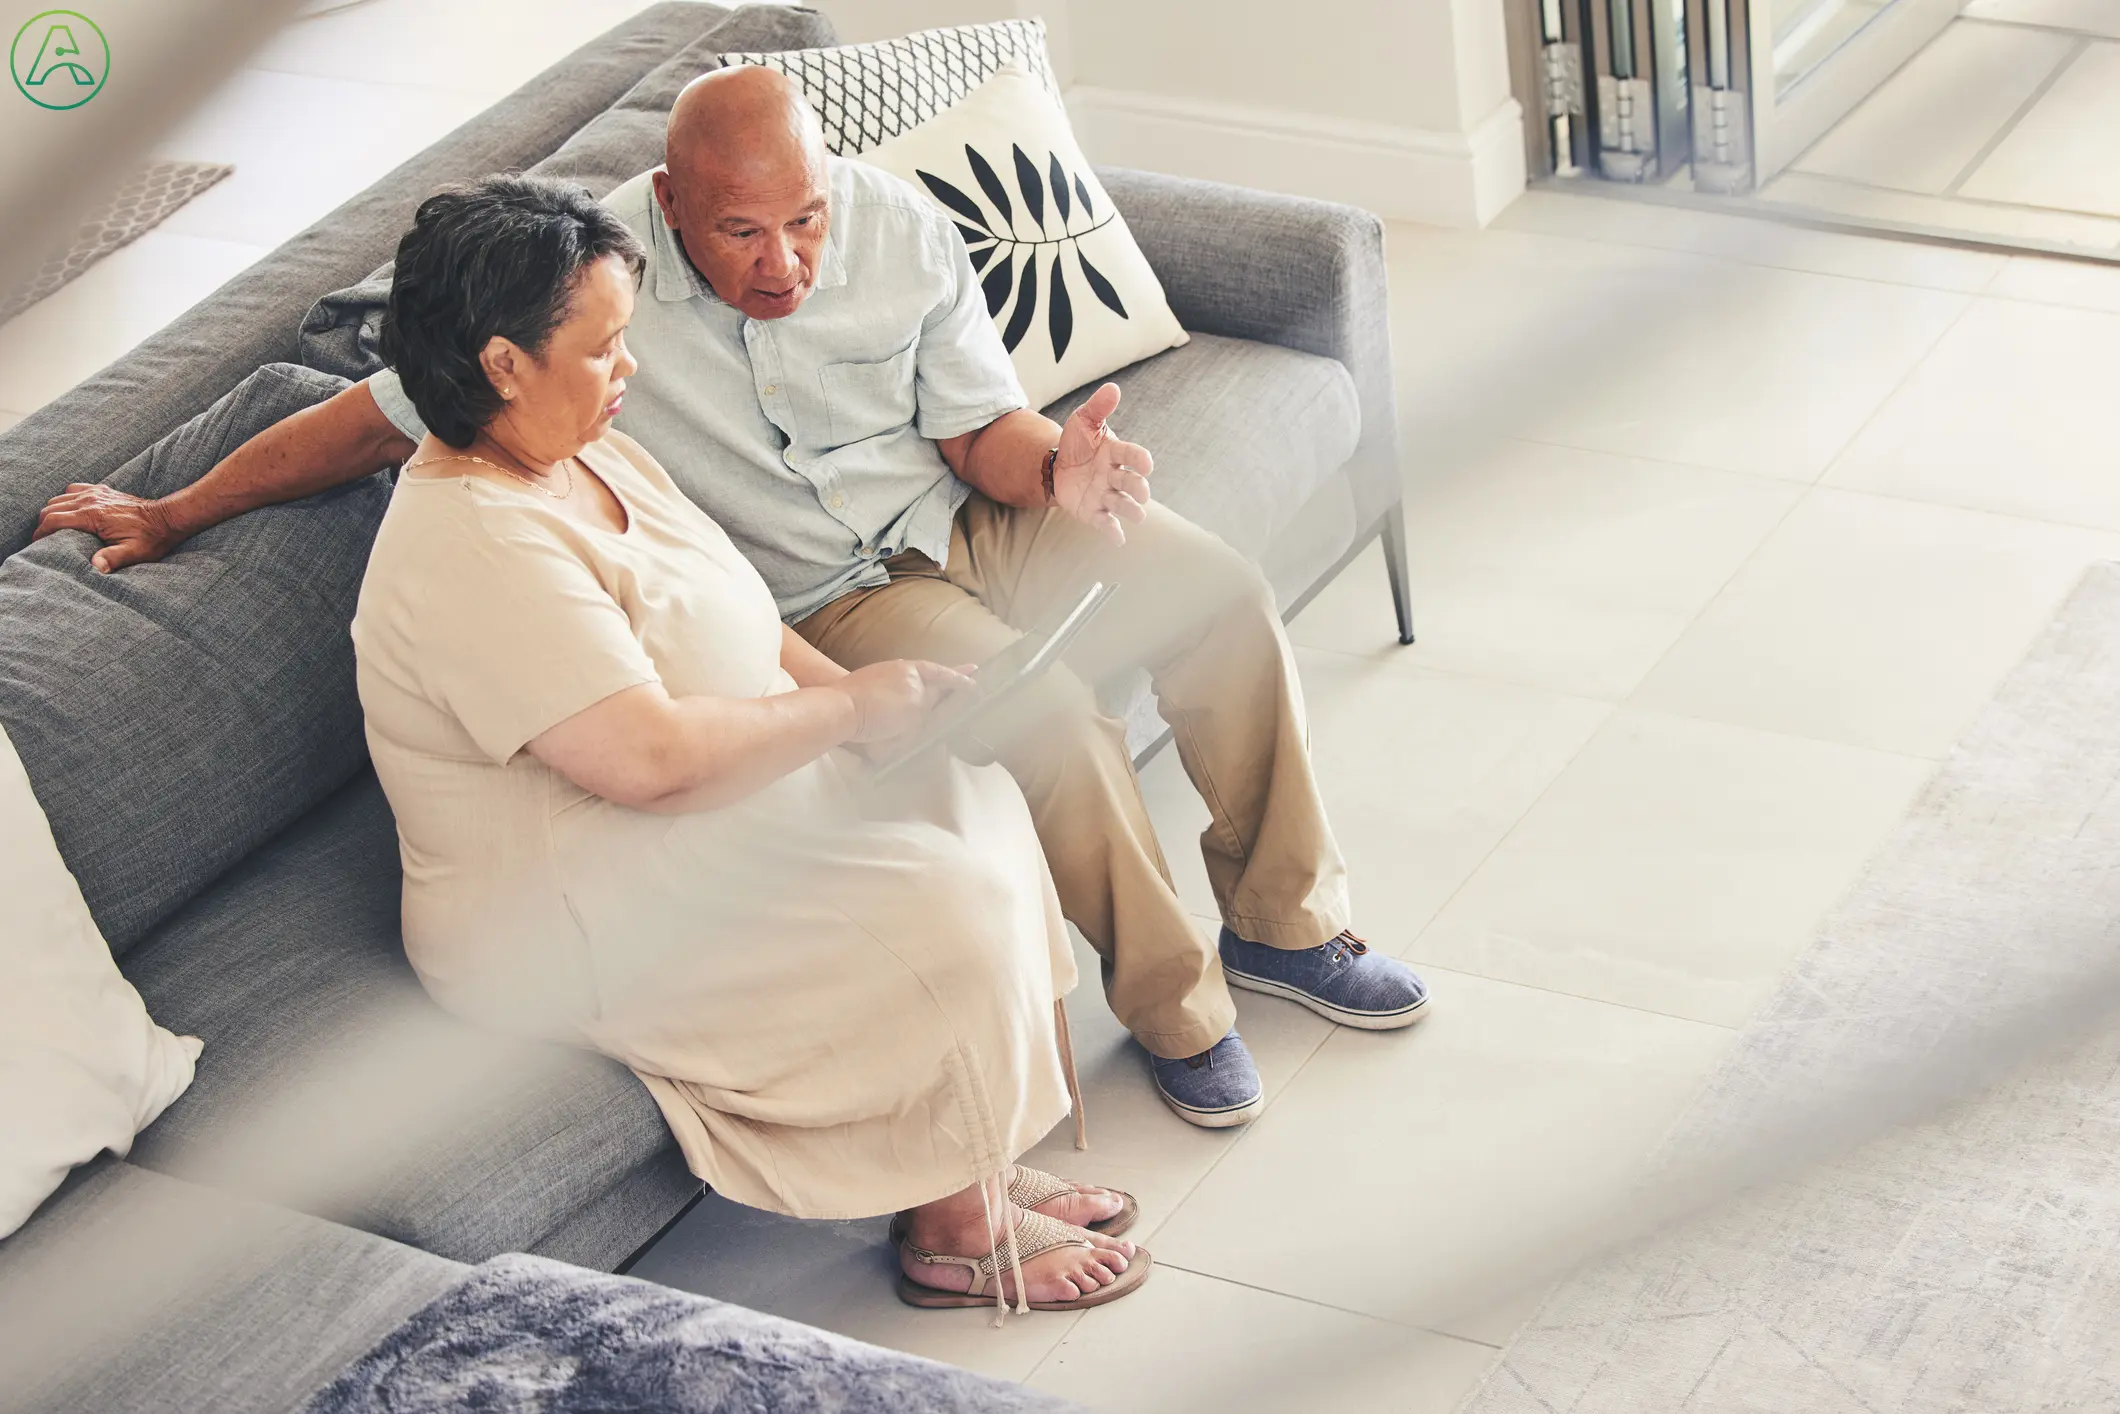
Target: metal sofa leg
[1393, 534]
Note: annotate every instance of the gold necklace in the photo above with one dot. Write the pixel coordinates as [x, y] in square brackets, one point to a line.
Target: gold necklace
[506, 471]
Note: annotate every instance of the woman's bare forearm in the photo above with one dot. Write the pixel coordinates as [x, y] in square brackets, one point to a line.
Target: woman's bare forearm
[339, 440]
[733, 748]
[643, 748]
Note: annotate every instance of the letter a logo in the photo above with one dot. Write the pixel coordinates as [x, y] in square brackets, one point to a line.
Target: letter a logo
[59, 59]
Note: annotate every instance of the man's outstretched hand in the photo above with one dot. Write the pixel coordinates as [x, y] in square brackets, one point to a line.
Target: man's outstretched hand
[1098, 479]
[132, 530]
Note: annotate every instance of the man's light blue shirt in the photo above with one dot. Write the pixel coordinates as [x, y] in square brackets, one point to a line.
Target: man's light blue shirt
[811, 439]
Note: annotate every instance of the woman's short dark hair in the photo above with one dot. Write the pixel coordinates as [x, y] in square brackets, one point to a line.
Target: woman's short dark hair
[498, 256]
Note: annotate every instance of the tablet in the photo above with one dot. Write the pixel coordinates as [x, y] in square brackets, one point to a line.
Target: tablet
[1002, 678]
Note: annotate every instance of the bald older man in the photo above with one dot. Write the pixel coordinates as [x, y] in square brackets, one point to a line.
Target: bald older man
[819, 373]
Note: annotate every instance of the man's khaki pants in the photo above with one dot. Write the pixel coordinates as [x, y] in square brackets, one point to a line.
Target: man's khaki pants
[1202, 621]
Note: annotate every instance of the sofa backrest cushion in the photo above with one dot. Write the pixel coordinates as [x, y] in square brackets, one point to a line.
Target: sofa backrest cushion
[174, 716]
[342, 331]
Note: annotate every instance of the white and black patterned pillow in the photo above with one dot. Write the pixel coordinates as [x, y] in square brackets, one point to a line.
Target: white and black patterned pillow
[867, 94]
[1070, 293]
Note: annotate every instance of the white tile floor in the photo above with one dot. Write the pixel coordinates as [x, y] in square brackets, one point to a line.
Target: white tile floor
[1721, 531]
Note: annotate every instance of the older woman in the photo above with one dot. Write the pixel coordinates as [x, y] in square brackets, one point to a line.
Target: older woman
[628, 817]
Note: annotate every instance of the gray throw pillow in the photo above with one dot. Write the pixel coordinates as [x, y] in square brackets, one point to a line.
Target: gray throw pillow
[341, 332]
[174, 716]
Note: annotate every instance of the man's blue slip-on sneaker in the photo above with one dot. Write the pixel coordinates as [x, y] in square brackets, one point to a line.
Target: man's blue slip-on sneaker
[1215, 1089]
[1341, 980]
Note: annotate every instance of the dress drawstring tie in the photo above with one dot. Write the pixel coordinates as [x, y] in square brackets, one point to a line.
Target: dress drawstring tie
[1067, 1067]
[1066, 1042]
[994, 1241]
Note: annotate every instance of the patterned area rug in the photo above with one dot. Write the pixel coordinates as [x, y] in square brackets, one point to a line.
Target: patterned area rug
[1970, 1262]
[144, 203]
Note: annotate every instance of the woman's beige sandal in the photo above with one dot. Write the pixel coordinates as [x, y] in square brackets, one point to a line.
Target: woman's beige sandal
[1034, 1186]
[1036, 1235]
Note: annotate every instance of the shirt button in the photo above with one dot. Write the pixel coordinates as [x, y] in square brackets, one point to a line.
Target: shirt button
[771, 389]
[838, 501]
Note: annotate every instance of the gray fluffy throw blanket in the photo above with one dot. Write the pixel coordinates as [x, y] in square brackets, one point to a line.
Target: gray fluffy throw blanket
[527, 1334]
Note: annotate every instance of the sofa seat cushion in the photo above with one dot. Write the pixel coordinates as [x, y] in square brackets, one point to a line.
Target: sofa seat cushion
[132, 1291]
[174, 716]
[1243, 433]
[293, 971]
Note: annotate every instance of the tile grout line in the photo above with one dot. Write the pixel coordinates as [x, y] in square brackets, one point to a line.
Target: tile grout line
[2000, 135]
[1331, 1306]
[1914, 366]
[1766, 222]
[1551, 991]
[2073, 306]
[1972, 303]
[1767, 477]
[1635, 1007]
[1986, 203]
[1903, 499]
[1743, 262]
[1990, 22]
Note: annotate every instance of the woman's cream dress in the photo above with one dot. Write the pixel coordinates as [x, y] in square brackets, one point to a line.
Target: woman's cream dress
[843, 1009]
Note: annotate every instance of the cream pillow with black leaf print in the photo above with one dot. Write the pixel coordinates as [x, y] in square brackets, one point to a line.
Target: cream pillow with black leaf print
[1069, 290]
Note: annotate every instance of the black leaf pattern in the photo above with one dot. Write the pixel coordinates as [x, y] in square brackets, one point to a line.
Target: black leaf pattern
[1100, 286]
[1032, 185]
[1019, 322]
[990, 183]
[1060, 309]
[996, 285]
[994, 246]
[955, 200]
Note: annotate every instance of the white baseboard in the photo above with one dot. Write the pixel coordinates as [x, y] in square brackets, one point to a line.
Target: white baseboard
[1412, 174]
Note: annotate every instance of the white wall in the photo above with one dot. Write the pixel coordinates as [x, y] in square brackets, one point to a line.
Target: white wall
[1401, 106]
[861, 20]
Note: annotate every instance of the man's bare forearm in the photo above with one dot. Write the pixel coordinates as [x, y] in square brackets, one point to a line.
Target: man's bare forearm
[339, 440]
[1005, 460]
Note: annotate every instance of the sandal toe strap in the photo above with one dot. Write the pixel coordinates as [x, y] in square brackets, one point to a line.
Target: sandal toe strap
[1036, 1235]
[1032, 1186]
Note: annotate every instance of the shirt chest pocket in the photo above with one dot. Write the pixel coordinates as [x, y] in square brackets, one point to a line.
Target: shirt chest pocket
[864, 400]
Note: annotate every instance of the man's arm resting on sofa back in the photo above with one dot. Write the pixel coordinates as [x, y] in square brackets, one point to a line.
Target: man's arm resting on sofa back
[339, 440]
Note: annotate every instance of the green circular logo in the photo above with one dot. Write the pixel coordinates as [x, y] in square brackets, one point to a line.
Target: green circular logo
[60, 59]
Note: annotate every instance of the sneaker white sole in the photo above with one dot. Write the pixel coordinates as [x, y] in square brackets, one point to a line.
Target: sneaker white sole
[1365, 1020]
[1213, 1119]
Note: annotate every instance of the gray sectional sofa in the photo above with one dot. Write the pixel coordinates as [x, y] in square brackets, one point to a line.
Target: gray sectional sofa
[192, 731]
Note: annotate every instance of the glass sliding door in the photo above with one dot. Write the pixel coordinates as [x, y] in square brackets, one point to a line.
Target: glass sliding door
[1813, 61]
